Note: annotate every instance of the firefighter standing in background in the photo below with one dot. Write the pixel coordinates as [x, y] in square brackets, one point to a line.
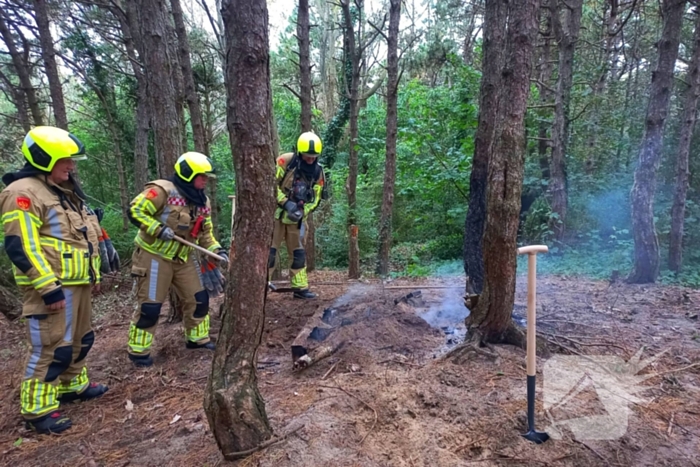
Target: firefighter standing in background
[300, 183]
[167, 208]
[51, 237]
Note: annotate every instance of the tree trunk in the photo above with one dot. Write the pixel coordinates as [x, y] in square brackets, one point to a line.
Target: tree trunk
[545, 76]
[484, 139]
[200, 144]
[566, 33]
[392, 89]
[234, 407]
[355, 53]
[22, 70]
[130, 30]
[326, 54]
[10, 306]
[646, 244]
[49, 56]
[153, 25]
[491, 318]
[690, 104]
[19, 100]
[178, 83]
[304, 64]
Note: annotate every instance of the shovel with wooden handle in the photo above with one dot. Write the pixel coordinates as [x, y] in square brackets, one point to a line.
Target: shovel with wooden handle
[531, 251]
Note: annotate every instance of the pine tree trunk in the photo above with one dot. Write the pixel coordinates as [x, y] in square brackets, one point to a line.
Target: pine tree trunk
[690, 104]
[304, 64]
[20, 102]
[188, 78]
[491, 318]
[566, 33]
[545, 76]
[153, 24]
[22, 70]
[130, 35]
[646, 243]
[355, 54]
[493, 56]
[234, 406]
[392, 89]
[48, 54]
[10, 306]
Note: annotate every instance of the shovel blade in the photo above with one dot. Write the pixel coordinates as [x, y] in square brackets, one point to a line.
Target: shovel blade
[537, 437]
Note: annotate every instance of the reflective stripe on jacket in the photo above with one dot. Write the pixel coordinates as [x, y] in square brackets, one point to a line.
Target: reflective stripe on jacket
[161, 204]
[51, 236]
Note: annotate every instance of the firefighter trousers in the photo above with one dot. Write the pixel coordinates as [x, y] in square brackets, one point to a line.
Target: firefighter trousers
[154, 276]
[293, 236]
[58, 344]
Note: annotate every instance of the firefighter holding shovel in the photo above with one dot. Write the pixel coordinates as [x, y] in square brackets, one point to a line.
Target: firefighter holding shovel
[174, 219]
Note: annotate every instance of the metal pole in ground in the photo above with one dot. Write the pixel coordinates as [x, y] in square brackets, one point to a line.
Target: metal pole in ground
[531, 251]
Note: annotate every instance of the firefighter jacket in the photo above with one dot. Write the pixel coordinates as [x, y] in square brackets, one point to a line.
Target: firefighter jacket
[51, 236]
[296, 186]
[162, 205]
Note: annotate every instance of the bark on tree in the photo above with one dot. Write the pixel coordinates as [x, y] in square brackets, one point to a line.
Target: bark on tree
[22, 69]
[646, 243]
[392, 89]
[491, 321]
[234, 407]
[10, 306]
[304, 42]
[153, 33]
[688, 118]
[566, 32]
[354, 52]
[19, 100]
[130, 30]
[326, 54]
[178, 82]
[48, 55]
[545, 76]
[200, 142]
[493, 56]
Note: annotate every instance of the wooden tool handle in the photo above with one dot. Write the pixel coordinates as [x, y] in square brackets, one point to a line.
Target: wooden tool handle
[199, 248]
[533, 249]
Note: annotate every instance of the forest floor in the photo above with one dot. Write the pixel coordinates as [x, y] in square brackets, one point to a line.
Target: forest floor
[390, 397]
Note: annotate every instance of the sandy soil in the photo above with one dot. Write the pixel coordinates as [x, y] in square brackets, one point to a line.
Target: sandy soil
[392, 398]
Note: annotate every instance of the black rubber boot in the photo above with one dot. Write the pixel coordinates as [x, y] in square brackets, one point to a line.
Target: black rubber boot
[193, 345]
[304, 293]
[52, 422]
[141, 360]
[93, 391]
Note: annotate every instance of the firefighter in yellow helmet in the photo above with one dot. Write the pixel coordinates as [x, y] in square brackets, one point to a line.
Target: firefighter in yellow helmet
[300, 187]
[165, 209]
[51, 237]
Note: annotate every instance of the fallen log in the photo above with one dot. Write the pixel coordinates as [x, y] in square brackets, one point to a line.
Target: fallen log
[309, 347]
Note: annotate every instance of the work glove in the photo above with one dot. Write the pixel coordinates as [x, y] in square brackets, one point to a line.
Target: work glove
[112, 255]
[211, 276]
[224, 264]
[104, 258]
[166, 233]
[293, 212]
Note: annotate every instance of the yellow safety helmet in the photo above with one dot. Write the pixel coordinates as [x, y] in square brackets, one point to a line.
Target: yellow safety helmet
[191, 164]
[44, 145]
[309, 144]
